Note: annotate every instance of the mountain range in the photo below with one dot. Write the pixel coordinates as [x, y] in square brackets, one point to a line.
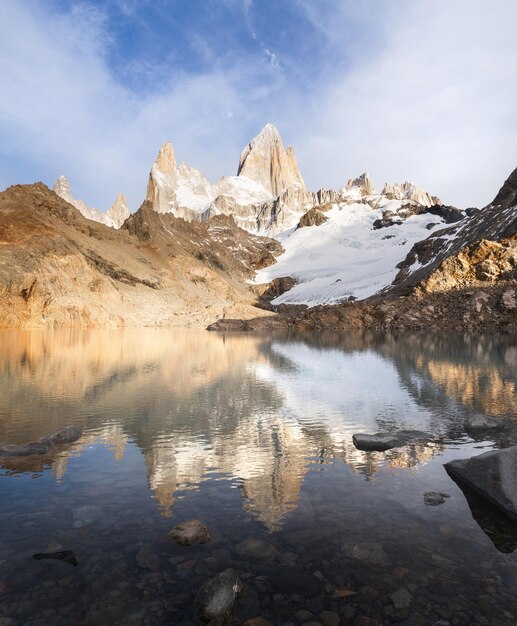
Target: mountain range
[254, 245]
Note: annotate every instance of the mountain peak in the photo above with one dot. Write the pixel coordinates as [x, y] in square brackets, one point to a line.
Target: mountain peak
[266, 161]
[165, 160]
[363, 183]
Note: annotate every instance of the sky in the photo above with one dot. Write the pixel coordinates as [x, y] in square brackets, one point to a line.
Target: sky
[408, 89]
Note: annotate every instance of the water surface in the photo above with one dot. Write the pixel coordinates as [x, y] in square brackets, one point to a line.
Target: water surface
[251, 434]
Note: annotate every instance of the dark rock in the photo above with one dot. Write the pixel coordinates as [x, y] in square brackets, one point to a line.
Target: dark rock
[216, 598]
[434, 498]
[42, 446]
[449, 214]
[190, 532]
[483, 422]
[493, 475]
[63, 555]
[385, 441]
[65, 435]
[291, 580]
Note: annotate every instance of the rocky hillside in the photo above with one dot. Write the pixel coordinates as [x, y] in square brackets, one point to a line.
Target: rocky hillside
[59, 269]
[495, 222]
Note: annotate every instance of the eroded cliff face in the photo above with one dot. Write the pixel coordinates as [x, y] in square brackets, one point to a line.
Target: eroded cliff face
[266, 161]
[59, 269]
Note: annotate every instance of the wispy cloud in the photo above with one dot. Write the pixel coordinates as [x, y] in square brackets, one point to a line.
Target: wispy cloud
[412, 89]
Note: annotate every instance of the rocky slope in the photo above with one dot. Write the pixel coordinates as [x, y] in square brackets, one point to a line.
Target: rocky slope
[59, 269]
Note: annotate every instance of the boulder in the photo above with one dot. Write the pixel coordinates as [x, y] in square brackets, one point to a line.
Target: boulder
[43, 445]
[483, 422]
[190, 532]
[216, 598]
[65, 435]
[385, 441]
[493, 475]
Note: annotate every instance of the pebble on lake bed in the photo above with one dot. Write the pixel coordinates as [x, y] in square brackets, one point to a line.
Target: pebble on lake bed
[434, 498]
[190, 532]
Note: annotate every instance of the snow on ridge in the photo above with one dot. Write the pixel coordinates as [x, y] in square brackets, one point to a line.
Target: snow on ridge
[344, 256]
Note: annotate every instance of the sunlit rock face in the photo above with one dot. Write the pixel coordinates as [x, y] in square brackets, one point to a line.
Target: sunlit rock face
[119, 212]
[409, 191]
[266, 161]
[181, 190]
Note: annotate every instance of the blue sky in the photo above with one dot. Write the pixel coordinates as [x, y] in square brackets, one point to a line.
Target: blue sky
[408, 89]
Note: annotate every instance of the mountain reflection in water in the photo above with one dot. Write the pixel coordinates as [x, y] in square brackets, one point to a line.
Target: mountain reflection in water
[252, 434]
[258, 410]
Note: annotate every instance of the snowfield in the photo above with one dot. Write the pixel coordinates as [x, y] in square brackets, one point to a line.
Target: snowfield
[344, 256]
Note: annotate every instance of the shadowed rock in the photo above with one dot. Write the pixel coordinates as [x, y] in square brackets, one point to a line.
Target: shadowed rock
[435, 498]
[64, 555]
[216, 598]
[42, 446]
[379, 442]
[483, 422]
[493, 475]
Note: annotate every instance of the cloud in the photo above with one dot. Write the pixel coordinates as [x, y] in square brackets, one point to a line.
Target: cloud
[413, 89]
[434, 102]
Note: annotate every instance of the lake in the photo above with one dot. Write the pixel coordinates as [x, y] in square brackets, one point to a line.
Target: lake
[252, 435]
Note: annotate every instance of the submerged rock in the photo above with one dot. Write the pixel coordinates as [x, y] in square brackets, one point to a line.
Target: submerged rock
[380, 442]
[483, 422]
[256, 550]
[148, 559]
[190, 532]
[372, 553]
[401, 599]
[42, 446]
[216, 598]
[434, 498]
[64, 555]
[493, 475]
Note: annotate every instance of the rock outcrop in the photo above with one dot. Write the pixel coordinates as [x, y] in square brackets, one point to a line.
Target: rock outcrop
[363, 184]
[409, 191]
[267, 162]
[181, 190]
[494, 223]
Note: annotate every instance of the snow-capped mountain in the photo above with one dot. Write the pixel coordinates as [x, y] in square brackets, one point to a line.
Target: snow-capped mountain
[351, 248]
[113, 217]
[266, 172]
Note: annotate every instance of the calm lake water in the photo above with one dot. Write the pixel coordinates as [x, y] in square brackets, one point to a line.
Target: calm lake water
[252, 435]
